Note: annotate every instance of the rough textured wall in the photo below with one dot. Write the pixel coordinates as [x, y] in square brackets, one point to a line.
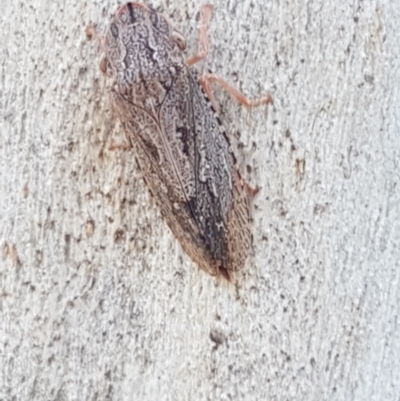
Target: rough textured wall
[97, 300]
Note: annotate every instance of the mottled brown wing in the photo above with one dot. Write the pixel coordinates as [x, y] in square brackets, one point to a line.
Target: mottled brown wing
[213, 169]
[220, 185]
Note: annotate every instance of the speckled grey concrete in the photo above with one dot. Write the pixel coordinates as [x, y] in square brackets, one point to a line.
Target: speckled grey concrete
[123, 314]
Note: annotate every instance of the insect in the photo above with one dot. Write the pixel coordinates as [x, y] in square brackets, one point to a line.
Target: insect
[181, 148]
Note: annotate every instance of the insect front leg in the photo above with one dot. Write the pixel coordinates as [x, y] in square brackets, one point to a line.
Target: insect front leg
[205, 17]
[92, 33]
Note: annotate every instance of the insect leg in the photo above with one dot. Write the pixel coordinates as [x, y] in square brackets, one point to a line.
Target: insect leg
[251, 190]
[120, 146]
[206, 80]
[123, 143]
[205, 16]
[91, 33]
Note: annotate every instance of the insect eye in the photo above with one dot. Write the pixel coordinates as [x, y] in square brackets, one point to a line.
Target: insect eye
[179, 40]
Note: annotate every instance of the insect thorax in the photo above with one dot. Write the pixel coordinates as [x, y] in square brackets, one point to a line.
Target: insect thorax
[141, 48]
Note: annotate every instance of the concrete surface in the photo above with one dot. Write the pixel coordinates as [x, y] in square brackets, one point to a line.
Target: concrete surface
[97, 299]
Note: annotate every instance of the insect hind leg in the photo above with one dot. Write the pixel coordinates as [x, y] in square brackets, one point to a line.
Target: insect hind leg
[207, 79]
